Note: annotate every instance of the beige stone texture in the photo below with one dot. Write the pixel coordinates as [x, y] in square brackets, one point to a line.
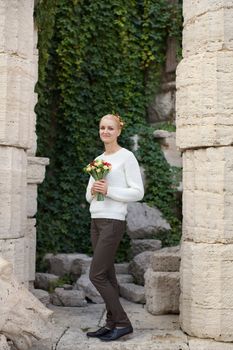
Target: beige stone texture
[208, 195]
[166, 259]
[207, 344]
[162, 291]
[150, 332]
[197, 8]
[36, 169]
[32, 135]
[3, 343]
[12, 192]
[207, 290]
[13, 250]
[23, 317]
[30, 250]
[210, 30]
[205, 85]
[31, 200]
[16, 27]
[17, 84]
[132, 292]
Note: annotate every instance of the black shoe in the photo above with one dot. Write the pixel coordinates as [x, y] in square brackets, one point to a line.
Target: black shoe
[116, 333]
[100, 332]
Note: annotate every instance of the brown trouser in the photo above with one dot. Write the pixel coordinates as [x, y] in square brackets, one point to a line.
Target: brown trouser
[105, 237]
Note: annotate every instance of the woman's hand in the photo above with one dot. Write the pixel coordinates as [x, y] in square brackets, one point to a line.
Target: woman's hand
[100, 186]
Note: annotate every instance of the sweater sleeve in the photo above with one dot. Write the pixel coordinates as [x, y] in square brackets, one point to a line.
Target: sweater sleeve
[135, 190]
[89, 196]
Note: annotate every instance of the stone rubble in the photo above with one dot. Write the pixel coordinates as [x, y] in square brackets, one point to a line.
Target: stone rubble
[73, 265]
[122, 268]
[133, 292]
[162, 281]
[42, 295]
[162, 292]
[62, 297]
[166, 259]
[141, 245]
[124, 278]
[139, 265]
[144, 221]
[45, 281]
[84, 284]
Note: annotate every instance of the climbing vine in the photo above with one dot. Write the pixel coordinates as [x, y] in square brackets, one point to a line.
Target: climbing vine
[95, 57]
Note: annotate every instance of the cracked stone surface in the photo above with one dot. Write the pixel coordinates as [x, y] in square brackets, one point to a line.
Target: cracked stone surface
[72, 323]
[150, 332]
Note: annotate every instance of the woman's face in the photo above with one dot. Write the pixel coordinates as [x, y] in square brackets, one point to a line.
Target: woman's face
[109, 130]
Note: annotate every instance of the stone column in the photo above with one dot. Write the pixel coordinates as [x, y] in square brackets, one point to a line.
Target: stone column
[18, 71]
[205, 135]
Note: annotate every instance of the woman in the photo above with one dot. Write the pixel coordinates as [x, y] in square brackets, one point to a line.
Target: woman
[122, 184]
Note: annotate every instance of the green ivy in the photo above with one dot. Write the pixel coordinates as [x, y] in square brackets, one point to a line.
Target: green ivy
[95, 57]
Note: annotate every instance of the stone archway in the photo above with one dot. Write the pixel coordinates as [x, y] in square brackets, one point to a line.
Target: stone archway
[204, 134]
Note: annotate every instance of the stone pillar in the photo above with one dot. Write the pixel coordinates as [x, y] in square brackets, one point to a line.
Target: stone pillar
[205, 135]
[18, 71]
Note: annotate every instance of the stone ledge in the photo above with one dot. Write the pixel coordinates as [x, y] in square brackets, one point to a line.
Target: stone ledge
[36, 169]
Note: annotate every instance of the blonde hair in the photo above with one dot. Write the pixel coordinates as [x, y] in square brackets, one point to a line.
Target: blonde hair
[117, 118]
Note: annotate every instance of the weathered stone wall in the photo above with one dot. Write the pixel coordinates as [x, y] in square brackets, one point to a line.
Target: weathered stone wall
[20, 170]
[205, 134]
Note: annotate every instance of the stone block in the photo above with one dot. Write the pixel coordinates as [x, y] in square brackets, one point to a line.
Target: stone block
[133, 292]
[123, 278]
[210, 31]
[162, 107]
[206, 290]
[17, 83]
[13, 250]
[30, 249]
[12, 192]
[141, 245]
[32, 146]
[16, 35]
[122, 268]
[45, 281]
[196, 8]
[31, 200]
[41, 295]
[68, 298]
[36, 169]
[162, 292]
[208, 195]
[139, 265]
[84, 284]
[73, 264]
[144, 221]
[166, 260]
[209, 120]
[168, 145]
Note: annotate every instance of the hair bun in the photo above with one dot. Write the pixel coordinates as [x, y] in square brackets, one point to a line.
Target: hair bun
[121, 122]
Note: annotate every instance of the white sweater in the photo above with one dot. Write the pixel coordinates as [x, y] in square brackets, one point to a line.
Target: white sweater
[124, 185]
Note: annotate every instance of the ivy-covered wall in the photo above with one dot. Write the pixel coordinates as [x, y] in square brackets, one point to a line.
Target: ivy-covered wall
[97, 57]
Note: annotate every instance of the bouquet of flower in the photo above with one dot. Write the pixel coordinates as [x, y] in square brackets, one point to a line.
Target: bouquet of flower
[98, 169]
